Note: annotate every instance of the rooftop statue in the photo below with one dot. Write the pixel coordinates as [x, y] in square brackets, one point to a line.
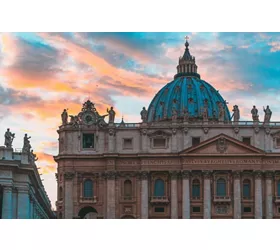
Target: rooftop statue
[267, 114]
[64, 117]
[254, 113]
[9, 137]
[112, 114]
[144, 114]
[26, 144]
[236, 113]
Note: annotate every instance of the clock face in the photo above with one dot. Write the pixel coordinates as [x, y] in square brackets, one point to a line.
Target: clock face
[89, 118]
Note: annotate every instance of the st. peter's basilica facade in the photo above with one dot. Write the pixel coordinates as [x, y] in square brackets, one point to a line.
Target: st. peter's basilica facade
[188, 158]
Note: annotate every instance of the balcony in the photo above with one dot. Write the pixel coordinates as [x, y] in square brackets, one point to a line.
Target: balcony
[247, 199]
[128, 199]
[88, 199]
[159, 199]
[222, 199]
[277, 199]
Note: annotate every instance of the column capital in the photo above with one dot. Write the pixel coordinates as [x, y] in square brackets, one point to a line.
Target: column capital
[236, 174]
[8, 188]
[111, 175]
[144, 175]
[207, 174]
[258, 174]
[269, 174]
[185, 174]
[69, 175]
[174, 175]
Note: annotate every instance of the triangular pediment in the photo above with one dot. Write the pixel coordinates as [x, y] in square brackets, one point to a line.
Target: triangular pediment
[222, 144]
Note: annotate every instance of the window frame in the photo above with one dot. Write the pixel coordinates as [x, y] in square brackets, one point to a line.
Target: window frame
[164, 188]
[217, 186]
[92, 188]
[123, 143]
[192, 189]
[250, 189]
[196, 137]
[247, 137]
[94, 141]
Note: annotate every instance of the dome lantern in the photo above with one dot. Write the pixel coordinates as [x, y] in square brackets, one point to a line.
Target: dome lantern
[187, 65]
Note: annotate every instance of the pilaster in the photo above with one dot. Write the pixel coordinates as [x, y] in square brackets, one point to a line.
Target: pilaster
[268, 195]
[207, 194]
[7, 206]
[186, 194]
[68, 195]
[144, 195]
[237, 195]
[174, 195]
[258, 195]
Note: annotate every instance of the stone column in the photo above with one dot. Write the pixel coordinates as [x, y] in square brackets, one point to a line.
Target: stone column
[68, 195]
[237, 195]
[258, 195]
[23, 203]
[111, 202]
[31, 209]
[144, 196]
[268, 195]
[174, 195]
[15, 204]
[7, 206]
[186, 195]
[207, 195]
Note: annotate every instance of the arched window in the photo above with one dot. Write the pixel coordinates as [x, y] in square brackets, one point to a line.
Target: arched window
[159, 188]
[88, 188]
[221, 187]
[247, 189]
[127, 188]
[60, 193]
[195, 189]
[278, 188]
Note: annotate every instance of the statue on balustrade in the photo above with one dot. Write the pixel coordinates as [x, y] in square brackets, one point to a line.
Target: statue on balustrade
[112, 114]
[236, 113]
[74, 120]
[186, 115]
[221, 112]
[64, 117]
[254, 113]
[144, 115]
[174, 115]
[32, 157]
[267, 114]
[9, 137]
[26, 144]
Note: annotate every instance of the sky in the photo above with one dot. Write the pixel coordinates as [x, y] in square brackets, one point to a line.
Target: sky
[43, 73]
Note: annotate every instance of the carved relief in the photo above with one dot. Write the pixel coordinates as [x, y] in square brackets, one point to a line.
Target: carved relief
[221, 145]
[144, 175]
[205, 130]
[207, 174]
[236, 130]
[269, 174]
[221, 209]
[185, 130]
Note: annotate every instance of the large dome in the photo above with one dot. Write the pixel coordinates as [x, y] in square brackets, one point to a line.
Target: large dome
[187, 92]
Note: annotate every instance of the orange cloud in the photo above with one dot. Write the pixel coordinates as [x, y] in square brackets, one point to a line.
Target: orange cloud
[46, 163]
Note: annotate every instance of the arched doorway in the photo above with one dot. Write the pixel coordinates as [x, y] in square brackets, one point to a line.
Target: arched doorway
[128, 217]
[88, 213]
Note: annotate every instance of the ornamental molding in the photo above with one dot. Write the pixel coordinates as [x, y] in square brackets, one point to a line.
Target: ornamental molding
[257, 130]
[185, 130]
[267, 131]
[236, 130]
[111, 175]
[205, 130]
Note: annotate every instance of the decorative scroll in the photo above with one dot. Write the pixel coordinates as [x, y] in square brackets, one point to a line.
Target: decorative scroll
[69, 175]
[258, 174]
[207, 174]
[236, 174]
[174, 175]
[185, 174]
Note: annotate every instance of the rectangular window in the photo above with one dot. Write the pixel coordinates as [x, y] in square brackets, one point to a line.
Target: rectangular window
[247, 209]
[88, 140]
[159, 209]
[196, 209]
[195, 141]
[278, 142]
[127, 143]
[159, 142]
[246, 140]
